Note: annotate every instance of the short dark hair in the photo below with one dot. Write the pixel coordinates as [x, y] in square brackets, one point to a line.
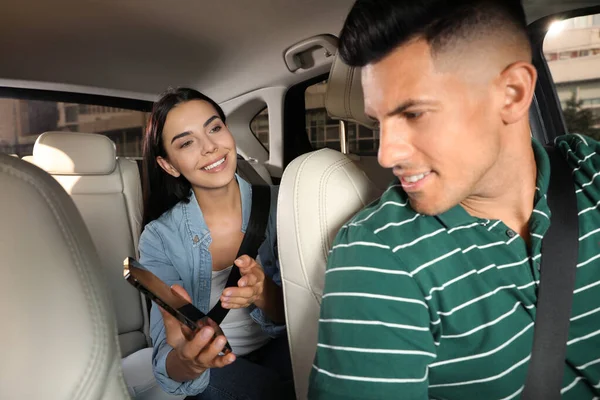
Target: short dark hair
[374, 28]
[161, 190]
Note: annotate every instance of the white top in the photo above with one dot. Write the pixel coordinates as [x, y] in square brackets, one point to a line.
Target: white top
[244, 335]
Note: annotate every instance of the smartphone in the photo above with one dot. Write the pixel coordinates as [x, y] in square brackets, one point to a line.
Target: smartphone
[159, 292]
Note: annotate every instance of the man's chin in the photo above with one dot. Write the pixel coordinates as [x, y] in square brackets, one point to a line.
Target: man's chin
[429, 208]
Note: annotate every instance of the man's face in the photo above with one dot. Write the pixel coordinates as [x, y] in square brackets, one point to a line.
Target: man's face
[439, 126]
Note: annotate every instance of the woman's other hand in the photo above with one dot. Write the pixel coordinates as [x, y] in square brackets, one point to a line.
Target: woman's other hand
[192, 356]
[250, 289]
[255, 288]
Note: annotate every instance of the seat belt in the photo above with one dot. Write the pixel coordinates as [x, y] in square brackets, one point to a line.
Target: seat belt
[255, 235]
[560, 250]
[248, 172]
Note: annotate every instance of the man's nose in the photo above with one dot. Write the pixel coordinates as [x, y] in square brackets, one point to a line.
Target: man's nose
[395, 147]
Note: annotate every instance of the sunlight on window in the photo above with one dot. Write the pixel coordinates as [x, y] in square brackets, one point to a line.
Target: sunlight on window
[556, 28]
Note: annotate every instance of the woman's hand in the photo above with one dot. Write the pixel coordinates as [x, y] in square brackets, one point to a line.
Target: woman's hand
[255, 288]
[250, 288]
[192, 356]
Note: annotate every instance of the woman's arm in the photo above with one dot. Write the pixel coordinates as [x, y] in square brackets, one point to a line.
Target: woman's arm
[271, 301]
[153, 257]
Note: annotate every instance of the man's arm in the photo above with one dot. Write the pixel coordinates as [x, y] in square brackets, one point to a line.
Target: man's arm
[374, 330]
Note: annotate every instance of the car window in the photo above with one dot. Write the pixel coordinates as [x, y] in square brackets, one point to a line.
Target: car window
[324, 131]
[260, 127]
[22, 121]
[572, 51]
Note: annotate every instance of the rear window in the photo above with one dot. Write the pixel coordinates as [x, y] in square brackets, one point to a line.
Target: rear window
[572, 50]
[324, 131]
[22, 121]
[260, 127]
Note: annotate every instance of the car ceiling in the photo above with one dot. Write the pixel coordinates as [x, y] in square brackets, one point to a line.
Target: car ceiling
[223, 48]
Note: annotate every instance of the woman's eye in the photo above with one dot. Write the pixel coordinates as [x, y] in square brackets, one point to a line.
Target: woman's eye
[185, 144]
[216, 129]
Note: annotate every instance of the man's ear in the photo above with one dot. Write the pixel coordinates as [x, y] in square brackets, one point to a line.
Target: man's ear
[518, 85]
[168, 167]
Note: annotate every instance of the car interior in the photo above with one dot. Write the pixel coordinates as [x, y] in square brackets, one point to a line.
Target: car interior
[77, 82]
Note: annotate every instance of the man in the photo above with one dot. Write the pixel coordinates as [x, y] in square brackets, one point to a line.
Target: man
[431, 291]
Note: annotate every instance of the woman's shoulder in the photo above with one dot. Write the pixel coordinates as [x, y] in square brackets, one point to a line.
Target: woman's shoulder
[168, 223]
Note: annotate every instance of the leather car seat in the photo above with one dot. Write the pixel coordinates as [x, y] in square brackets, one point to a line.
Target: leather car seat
[319, 192]
[58, 326]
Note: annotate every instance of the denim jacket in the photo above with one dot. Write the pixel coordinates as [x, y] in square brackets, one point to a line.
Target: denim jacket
[175, 248]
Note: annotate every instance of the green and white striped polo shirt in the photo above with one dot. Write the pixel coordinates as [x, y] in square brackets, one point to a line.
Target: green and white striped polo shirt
[421, 307]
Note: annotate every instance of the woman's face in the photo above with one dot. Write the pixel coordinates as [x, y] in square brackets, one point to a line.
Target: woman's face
[199, 146]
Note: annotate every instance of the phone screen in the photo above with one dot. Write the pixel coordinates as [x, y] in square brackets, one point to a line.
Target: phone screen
[174, 304]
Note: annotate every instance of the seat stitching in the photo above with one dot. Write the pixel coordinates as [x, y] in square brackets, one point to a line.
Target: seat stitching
[323, 200]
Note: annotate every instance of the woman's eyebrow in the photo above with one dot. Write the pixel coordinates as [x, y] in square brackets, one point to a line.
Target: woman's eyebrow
[211, 119]
[182, 134]
[186, 133]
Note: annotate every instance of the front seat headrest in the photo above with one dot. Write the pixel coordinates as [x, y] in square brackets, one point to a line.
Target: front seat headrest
[344, 98]
[319, 192]
[72, 153]
[58, 325]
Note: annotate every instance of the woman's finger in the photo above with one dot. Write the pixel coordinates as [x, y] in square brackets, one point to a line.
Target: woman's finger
[191, 349]
[209, 353]
[249, 280]
[231, 292]
[237, 302]
[180, 291]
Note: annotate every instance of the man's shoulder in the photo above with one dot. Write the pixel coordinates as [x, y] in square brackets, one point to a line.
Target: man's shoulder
[583, 156]
[391, 208]
[578, 148]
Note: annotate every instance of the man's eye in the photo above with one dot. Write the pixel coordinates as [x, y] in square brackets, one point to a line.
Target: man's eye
[412, 115]
[216, 129]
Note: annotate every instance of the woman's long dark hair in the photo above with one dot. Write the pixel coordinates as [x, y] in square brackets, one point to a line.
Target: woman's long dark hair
[161, 190]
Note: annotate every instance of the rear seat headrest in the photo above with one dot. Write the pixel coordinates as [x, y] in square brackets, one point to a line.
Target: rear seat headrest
[344, 98]
[73, 153]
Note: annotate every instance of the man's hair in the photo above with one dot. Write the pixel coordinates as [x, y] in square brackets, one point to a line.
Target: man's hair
[374, 28]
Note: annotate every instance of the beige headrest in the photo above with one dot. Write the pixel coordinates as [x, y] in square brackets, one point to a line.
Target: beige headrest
[73, 153]
[344, 98]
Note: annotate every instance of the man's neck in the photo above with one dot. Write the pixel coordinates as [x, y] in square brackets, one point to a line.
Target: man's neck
[508, 190]
[218, 202]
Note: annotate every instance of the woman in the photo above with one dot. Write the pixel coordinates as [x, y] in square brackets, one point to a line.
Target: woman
[195, 213]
